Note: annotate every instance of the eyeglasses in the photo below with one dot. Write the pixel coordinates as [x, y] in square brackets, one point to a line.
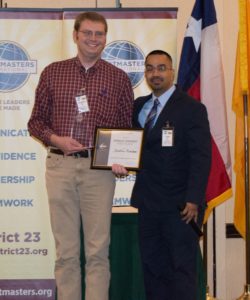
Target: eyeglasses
[90, 34]
[160, 68]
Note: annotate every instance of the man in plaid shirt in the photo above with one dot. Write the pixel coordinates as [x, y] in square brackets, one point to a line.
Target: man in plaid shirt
[72, 98]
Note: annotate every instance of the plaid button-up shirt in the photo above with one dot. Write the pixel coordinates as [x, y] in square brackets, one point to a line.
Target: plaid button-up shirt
[109, 95]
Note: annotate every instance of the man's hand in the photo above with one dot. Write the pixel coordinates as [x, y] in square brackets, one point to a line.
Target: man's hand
[66, 144]
[190, 212]
[119, 170]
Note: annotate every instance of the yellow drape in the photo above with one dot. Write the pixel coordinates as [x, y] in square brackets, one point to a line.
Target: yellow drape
[241, 87]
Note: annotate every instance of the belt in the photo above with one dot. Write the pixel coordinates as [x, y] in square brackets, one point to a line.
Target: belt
[83, 153]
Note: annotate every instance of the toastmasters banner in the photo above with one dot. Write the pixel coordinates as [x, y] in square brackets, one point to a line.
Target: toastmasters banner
[30, 40]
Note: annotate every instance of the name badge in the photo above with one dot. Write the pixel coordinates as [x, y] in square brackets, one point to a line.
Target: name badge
[167, 139]
[82, 103]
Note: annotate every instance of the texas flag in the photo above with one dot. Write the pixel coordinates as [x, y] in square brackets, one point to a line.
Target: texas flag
[201, 75]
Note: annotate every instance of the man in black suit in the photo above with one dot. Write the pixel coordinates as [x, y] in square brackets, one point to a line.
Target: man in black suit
[175, 167]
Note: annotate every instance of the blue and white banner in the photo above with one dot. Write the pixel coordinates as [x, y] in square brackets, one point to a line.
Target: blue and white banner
[30, 40]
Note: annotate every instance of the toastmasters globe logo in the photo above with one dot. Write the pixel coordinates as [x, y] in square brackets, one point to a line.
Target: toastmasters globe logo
[128, 57]
[15, 66]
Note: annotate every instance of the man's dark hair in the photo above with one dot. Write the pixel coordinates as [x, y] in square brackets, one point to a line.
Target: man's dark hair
[92, 16]
[159, 52]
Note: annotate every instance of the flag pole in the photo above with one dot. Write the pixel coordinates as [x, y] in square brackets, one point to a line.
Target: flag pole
[246, 294]
[205, 258]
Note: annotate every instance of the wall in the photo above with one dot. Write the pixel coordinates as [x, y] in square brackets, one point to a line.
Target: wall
[230, 252]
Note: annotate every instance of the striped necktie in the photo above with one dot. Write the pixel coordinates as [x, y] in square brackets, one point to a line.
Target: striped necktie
[150, 120]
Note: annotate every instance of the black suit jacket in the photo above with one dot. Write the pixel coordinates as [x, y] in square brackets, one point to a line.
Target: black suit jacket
[173, 175]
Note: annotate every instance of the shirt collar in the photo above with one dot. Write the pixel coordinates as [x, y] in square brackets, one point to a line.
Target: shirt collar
[165, 96]
[97, 65]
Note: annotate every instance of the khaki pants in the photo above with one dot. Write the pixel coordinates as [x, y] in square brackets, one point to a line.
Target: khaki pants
[78, 193]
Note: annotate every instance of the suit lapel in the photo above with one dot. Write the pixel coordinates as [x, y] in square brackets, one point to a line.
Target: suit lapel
[166, 113]
[138, 107]
[164, 116]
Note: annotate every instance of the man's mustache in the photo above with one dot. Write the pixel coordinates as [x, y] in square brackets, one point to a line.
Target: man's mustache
[156, 78]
